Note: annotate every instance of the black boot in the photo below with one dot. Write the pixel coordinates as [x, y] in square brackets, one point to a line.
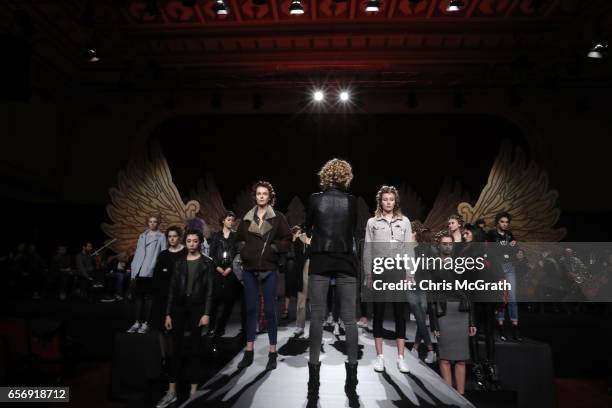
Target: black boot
[492, 377]
[479, 376]
[516, 336]
[350, 386]
[313, 383]
[247, 359]
[271, 361]
[502, 332]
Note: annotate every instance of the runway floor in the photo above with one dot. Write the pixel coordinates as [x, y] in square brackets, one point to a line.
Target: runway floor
[285, 386]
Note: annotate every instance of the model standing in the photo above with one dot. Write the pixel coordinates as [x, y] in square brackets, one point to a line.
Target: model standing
[150, 244]
[388, 226]
[330, 221]
[265, 234]
[188, 309]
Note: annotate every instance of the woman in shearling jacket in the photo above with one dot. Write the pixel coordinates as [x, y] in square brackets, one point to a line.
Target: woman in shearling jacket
[266, 234]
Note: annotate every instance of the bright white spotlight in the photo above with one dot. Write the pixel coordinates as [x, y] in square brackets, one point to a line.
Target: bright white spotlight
[344, 96]
[318, 96]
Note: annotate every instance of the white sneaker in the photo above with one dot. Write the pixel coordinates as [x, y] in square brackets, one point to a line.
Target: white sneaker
[401, 365]
[144, 328]
[431, 357]
[414, 352]
[379, 364]
[336, 329]
[167, 399]
[134, 328]
[299, 332]
[330, 320]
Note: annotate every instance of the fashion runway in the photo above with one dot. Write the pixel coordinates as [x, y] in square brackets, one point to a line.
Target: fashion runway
[286, 385]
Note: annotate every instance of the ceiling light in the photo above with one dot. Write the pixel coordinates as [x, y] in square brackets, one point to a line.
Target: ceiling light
[296, 8]
[455, 5]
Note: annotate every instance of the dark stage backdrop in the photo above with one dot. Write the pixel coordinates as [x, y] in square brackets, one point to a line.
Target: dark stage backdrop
[420, 150]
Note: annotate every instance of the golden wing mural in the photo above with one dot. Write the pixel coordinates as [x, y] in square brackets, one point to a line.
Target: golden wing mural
[145, 188]
[522, 190]
[450, 195]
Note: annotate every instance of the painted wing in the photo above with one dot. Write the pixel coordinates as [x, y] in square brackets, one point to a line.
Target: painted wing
[521, 189]
[449, 196]
[145, 188]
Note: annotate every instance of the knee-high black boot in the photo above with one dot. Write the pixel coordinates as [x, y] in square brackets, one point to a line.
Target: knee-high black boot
[350, 386]
[313, 382]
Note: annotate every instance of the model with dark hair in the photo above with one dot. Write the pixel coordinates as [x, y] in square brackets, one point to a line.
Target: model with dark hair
[150, 244]
[223, 249]
[453, 322]
[484, 369]
[330, 221]
[164, 268]
[455, 227]
[504, 254]
[265, 233]
[188, 309]
[388, 225]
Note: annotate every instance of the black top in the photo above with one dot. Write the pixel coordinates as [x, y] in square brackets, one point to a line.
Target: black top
[330, 221]
[503, 251]
[223, 250]
[164, 268]
[201, 290]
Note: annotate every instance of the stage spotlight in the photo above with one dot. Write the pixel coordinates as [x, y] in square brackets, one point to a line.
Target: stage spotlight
[92, 55]
[296, 8]
[455, 5]
[318, 96]
[599, 51]
[220, 8]
[344, 96]
[372, 6]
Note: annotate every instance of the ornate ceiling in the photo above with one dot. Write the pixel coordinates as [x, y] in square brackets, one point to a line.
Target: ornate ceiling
[409, 42]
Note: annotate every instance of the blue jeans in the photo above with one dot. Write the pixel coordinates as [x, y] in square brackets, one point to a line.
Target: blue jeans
[418, 307]
[510, 276]
[251, 300]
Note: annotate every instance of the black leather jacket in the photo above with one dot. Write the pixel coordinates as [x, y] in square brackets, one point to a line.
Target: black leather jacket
[202, 291]
[330, 221]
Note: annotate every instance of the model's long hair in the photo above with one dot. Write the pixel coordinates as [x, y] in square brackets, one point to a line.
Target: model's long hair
[336, 173]
[397, 211]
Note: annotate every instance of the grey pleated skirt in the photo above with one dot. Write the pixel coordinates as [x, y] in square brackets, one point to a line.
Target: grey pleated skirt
[453, 343]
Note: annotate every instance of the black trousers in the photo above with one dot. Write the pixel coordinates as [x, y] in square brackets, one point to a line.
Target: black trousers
[186, 353]
[485, 320]
[227, 291]
[398, 314]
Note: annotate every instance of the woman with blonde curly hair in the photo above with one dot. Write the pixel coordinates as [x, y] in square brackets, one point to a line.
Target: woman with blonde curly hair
[330, 221]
